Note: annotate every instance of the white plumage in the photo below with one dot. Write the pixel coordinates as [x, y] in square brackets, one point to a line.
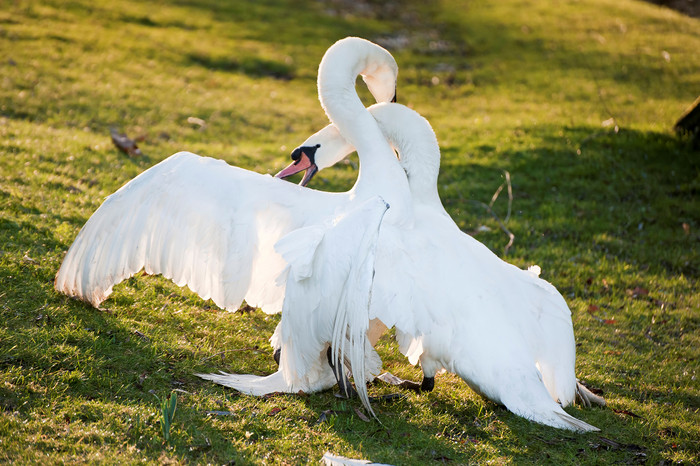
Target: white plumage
[385, 254]
[194, 220]
[456, 305]
[212, 227]
[206, 224]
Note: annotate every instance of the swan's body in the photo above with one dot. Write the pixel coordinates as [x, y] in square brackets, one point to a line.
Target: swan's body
[504, 330]
[454, 303]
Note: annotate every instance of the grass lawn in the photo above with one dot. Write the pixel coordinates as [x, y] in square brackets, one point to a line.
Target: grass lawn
[574, 99]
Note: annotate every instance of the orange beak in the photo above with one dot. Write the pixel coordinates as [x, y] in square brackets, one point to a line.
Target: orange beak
[301, 162]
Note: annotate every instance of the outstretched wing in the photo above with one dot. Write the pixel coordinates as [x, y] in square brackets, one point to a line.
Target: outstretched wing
[197, 221]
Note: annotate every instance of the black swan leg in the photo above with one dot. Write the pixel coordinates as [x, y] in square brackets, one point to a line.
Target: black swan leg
[276, 355]
[426, 385]
[346, 388]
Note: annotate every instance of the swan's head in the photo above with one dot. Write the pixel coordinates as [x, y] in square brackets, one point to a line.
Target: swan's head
[381, 80]
[322, 150]
[304, 159]
[353, 56]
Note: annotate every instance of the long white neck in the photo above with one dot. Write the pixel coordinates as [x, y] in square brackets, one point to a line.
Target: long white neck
[338, 71]
[419, 153]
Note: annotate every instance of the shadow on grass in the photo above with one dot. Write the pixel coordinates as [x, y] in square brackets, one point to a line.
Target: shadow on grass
[629, 194]
[251, 66]
[83, 368]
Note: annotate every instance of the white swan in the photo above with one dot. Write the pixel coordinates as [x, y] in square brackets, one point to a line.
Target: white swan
[455, 304]
[210, 274]
[208, 225]
[212, 227]
[343, 253]
[505, 331]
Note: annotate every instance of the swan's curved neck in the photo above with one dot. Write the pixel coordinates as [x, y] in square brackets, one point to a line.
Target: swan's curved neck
[419, 153]
[339, 68]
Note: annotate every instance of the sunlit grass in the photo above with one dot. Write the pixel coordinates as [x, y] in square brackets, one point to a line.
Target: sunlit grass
[575, 99]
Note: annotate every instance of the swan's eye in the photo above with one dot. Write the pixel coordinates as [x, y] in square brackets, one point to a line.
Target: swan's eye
[318, 145]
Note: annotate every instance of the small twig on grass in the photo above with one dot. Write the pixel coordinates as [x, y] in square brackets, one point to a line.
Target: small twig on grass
[510, 195]
[511, 236]
[495, 195]
[489, 209]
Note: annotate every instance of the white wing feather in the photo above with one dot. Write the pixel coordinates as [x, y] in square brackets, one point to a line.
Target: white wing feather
[197, 221]
[456, 305]
[338, 274]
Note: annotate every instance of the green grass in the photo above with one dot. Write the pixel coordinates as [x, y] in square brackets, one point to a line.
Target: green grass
[611, 215]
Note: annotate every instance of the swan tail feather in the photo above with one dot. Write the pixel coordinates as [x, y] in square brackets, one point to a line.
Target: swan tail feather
[572, 423]
[352, 319]
[251, 384]
[523, 392]
[328, 286]
[552, 415]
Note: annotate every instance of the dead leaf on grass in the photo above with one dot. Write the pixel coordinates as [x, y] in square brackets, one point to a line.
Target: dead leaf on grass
[627, 413]
[637, 291]
[274, 411]
[324, 416]
[124, 143]
[610, 444]
[141, 335]
[361, 415]
[592, 309]
[247, 308]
